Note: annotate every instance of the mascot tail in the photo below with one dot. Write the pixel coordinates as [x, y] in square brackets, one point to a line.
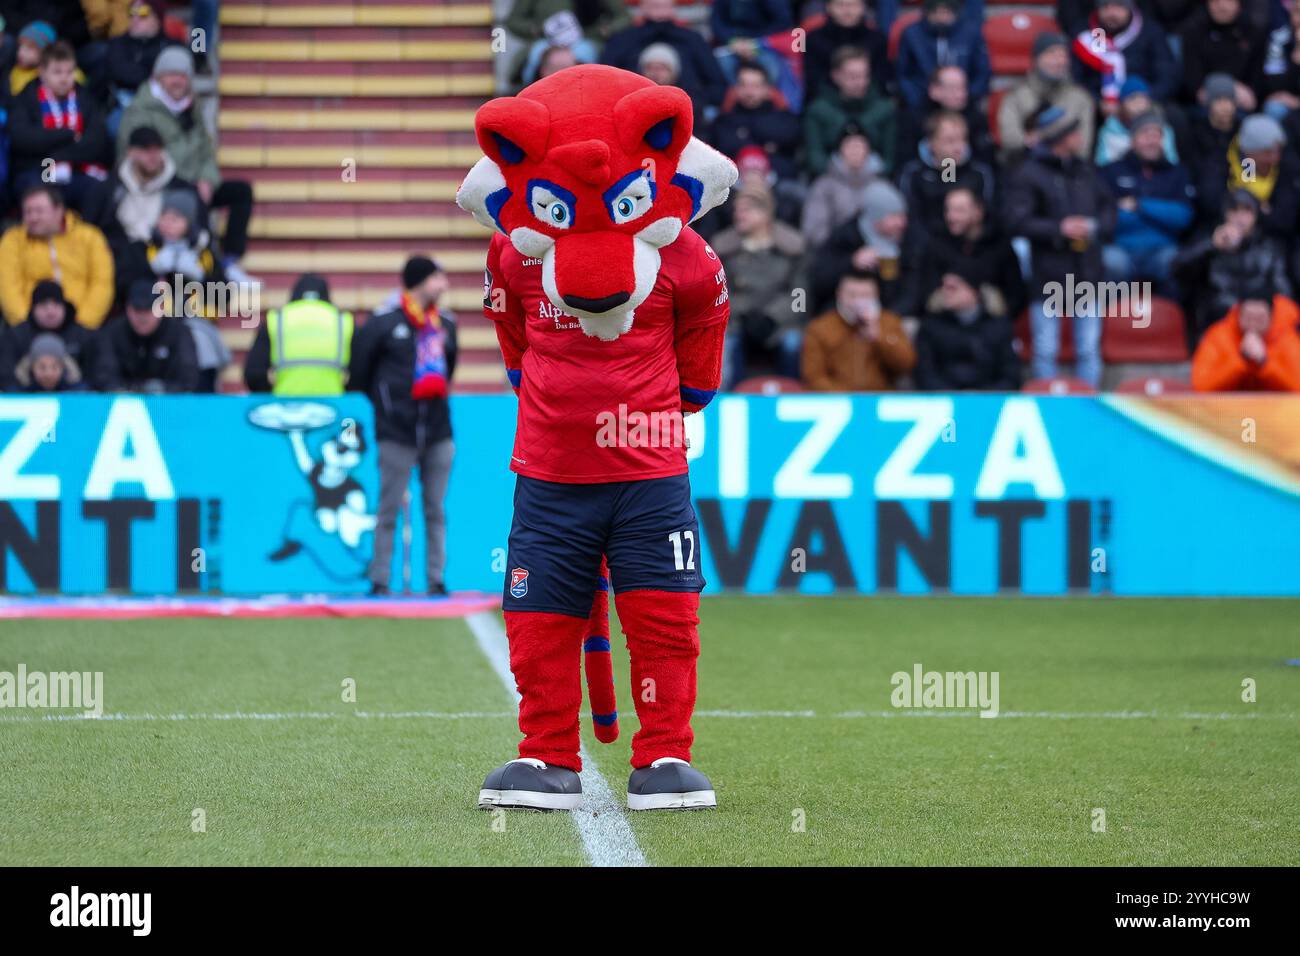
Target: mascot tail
[598, 664]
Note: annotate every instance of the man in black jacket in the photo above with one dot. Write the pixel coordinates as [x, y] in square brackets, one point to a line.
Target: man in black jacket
[969, 242]
[964, 342]
[944, 162]
[1219, 38]
[54, 119]
[53, 314]
[146, 350]
[403, 358]
[755, 120]
[1061, 204]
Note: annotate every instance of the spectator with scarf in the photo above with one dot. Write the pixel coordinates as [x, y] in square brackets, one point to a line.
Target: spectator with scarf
[403, 358]
[55, 119]
[1117, 43]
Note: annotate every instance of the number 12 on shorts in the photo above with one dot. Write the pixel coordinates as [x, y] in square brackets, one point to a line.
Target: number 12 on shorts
[676, 538]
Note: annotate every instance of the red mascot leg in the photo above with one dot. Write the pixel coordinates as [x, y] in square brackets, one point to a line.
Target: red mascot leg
[599, 666]
[546, 659]
[662, 630]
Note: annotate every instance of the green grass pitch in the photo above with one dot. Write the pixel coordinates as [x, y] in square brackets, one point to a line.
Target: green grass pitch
[1209, 779]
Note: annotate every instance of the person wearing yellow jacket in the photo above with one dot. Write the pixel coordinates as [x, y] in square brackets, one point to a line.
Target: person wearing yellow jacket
[53, 243]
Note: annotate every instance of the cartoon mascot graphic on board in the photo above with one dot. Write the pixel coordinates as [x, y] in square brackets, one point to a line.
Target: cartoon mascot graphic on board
[608, 308]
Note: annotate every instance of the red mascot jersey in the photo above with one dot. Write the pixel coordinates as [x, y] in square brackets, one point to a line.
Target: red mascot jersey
[577, 392]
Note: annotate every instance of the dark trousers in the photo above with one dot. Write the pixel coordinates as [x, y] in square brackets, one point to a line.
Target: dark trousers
[396, 462]
[236, 197]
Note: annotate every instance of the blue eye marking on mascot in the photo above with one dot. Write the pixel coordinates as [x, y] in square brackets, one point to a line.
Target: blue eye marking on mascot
[551, 203]
[631, 197]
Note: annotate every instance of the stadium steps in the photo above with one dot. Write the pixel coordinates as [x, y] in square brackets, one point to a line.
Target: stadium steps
[354, 121]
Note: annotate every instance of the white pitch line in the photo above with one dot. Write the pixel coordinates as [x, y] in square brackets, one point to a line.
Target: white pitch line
[1036, 714]
[253, 715]
[604, 829]
[705, 714]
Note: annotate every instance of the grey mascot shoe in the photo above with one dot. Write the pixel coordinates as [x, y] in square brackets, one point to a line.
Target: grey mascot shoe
[669, 784]
[530, 784]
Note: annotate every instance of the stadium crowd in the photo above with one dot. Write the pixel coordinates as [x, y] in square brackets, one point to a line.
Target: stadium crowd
[108, 176]
[889, 228]
[899, 211]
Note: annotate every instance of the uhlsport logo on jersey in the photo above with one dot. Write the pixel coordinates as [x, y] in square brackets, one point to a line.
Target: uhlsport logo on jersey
[518, 582]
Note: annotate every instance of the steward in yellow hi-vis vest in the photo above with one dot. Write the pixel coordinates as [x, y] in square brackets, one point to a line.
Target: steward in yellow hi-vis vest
[307, 344]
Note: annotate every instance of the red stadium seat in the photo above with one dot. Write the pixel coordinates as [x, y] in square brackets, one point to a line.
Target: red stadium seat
[1162, 339]
[1153, 385]
[1060, 385]
[769, 385]
[901, 23]
[1026, 344]
[995, 101]
[1010, 39]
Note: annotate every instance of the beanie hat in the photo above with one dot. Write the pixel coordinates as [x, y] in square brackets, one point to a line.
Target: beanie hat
[144, 137]
[1053, 124]
[416, 270]
[182, 201]
[1149, 118]
[47, 290]
[38, 32]
[1258, 132]
[752, 160]
[756, 192]
[47, 343]
[174, 59]
[562, 29]
[1219, 86]
[1046, 41]
[880, 199]
[1133, 86]
[1240, 199]
[310, 286]
[660, 53]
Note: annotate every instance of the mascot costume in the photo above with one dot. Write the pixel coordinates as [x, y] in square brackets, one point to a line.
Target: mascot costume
[611, 314]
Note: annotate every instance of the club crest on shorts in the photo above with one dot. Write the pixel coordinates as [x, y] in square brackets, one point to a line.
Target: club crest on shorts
[518, 582]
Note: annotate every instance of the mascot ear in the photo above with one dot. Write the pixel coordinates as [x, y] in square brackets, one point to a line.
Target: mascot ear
[511, 128]
[705, 175]
[656, 116]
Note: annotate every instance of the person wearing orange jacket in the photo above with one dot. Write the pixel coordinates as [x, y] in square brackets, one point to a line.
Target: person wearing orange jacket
[1254, 348]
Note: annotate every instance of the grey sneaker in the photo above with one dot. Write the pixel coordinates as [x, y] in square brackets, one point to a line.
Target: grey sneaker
[531, 784]
[669, 784]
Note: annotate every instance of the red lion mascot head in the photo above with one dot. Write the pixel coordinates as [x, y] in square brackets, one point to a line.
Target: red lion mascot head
[593, 170]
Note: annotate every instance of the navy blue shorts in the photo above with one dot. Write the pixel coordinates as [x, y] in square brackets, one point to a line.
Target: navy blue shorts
[647, 529]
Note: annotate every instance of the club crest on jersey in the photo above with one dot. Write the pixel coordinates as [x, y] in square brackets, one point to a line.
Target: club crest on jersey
[518, 582]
